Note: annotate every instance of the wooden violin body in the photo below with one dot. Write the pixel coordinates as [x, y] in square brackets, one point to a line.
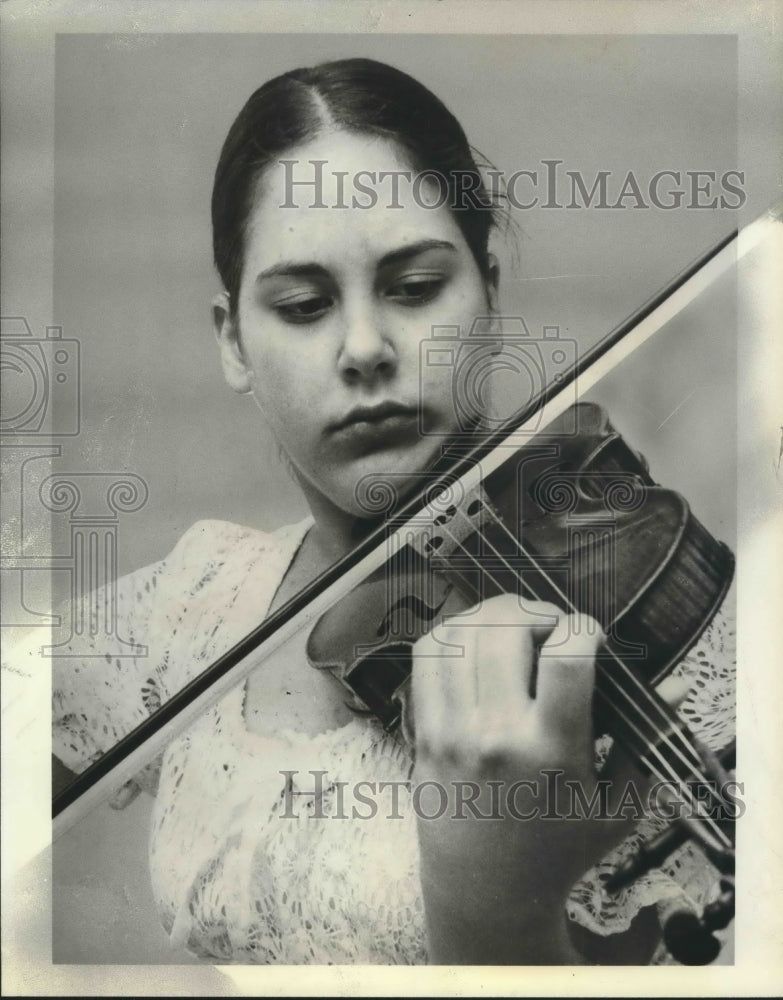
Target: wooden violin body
[577, 520]
[570, 515]
[582, 508]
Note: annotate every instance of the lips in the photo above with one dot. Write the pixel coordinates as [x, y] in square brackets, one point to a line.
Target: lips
[368, 429]
[375, 415]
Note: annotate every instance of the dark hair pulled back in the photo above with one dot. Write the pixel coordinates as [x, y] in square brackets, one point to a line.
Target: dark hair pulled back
[357, 95]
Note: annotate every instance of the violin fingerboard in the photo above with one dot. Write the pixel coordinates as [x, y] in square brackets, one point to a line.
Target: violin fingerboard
[448, 522]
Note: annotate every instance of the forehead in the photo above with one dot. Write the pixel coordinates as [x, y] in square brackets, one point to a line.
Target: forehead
[298, 210]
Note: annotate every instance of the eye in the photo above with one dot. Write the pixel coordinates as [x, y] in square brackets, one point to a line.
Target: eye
[416, 289]
[303, 310]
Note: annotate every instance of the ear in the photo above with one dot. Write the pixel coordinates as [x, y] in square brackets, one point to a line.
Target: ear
[492, 281]
[235, 371]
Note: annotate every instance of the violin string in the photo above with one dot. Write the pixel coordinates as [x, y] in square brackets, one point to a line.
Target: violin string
[570, 605]
[673, 777]
[663, 736]
[488, 573]
[641, 688]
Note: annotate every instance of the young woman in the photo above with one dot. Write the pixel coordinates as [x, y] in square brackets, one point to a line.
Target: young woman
[349, 218]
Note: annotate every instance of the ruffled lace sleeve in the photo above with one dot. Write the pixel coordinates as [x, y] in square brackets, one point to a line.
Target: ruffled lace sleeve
[687, 879]
[178, 613]
[97, 697]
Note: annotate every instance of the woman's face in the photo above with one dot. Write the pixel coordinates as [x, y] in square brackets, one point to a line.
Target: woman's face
[334, 307]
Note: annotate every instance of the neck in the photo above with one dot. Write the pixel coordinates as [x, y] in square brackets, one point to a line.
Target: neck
[335, 531]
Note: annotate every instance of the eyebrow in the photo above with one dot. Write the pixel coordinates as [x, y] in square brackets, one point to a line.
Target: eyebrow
[298, 268]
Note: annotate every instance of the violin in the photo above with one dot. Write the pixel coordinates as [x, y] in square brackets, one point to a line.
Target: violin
[570, 515]
[574, 519]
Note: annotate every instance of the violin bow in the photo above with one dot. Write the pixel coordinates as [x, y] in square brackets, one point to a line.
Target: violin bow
[149, 739]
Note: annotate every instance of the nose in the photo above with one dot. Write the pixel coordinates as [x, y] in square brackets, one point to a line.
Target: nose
[367, 351]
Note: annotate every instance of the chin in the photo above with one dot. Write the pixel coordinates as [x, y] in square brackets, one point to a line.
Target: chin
[384, 482]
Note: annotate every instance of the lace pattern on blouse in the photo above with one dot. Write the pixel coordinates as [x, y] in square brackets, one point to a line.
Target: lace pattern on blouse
[244, 867]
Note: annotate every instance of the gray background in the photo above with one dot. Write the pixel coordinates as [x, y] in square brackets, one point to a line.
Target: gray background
[139, 121]
[138, 126]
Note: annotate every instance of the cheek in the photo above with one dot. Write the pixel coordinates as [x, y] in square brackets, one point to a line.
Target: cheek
[284, 394]
[465, 310]
[276, 396]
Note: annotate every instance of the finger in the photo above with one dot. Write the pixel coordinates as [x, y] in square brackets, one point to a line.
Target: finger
[541, 617]
[674, 690]
[483, 655]
[487, 665]
[566, 674]
[443, 684]
[505, 652]
[504, 667]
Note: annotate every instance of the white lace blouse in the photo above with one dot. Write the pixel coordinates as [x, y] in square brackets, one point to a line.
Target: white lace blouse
[253, 857]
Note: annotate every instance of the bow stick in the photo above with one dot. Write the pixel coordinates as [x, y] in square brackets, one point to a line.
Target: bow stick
[139, 747]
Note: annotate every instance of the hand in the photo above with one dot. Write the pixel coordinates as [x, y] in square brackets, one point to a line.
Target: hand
[517, 703]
